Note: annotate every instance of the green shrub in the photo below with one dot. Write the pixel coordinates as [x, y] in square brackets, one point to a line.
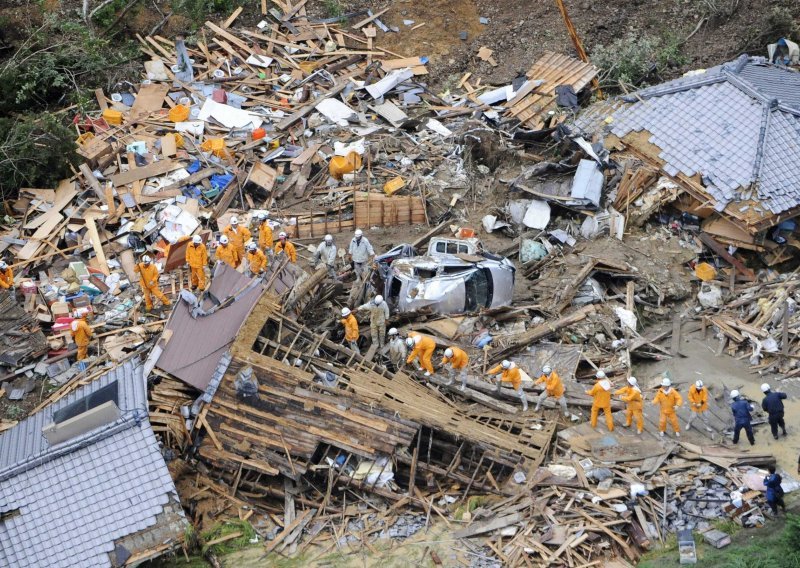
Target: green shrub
[198, 11]
[224, 529]
[35, 151]
[634, 58]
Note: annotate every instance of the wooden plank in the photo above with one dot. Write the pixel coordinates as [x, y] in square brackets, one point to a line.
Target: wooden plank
[270, 546]
[720, 250]
[676, 334]
[96, 244]
[101, 99]
[263, 175]
[149, 99]
[232, 17]
[93, 182]
[489, 526]
[150, 170]
[47, 227]
[368, 19]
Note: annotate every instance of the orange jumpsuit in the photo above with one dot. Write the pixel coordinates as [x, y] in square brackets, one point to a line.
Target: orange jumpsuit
[552, 384]
[288, 248]
[424, 351]
[668, 401]
[511, 375]
[698, 399]
[265, 236]
[82, 336]
[257, 261]
[6, 278]
[228, 254]
[602, 401]
[197, 259]
[632, 397]
[458, 361]
[149, 282]
[350, 324]
[237, 238]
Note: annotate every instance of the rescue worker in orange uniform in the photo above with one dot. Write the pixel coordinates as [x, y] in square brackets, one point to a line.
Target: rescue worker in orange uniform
[256, 260]
[82, 336]
[6, 276]
[227, 253]
[698, 403]
[350, 324]
[265, 242]
[458, 360]
[148, 279]
[422, 348]
[669, 400]
[510, 373]
[631, 395]
[553, 387]
[601, 393]
[197, 259]
[237, 236]
[283, 245]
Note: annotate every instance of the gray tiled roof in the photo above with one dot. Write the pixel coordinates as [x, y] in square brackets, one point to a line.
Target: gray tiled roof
[76, 498]
[737, 125]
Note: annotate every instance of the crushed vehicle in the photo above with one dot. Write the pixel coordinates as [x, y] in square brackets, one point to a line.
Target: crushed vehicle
[454, 276]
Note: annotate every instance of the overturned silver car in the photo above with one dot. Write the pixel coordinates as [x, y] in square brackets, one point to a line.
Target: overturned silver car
[455, 276]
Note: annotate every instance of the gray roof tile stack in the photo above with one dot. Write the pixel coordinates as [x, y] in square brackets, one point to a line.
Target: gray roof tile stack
[737, 125]
[76, 498]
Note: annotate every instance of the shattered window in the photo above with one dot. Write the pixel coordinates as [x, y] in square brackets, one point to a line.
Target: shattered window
[477, 291]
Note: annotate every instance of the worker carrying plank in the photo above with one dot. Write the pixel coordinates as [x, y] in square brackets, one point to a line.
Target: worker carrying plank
[669, 401]
[361, 253]
[148, 280]
[459, 361]
[82, 336]
[6, 276]
[601, 395]
[256, 260]
[698, 404]
[326, 253]
[422, 348]
[631, 395]
[553, 387]
[237, 236]
[350, 329]
[509, 373]
[378, 314]
[197, 259]
[227, 253]
[284, 246]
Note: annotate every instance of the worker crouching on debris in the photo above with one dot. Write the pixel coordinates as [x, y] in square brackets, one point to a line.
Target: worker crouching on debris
[458, 360]
[350, 329]
[326, 252]
[148, 279]
[397, 350]
[378, 314]
[256, 260]
[6, 276]
[631, 395]
[227, 253]
[197, 259]
[553, 387]
[601, 400]
[510, 373]
[698, 403]
[774, 490]
[422, 348]
[741, 418]
[669, 400]
[237, 236]
[284, 246]
[82, 336]
[361, 253]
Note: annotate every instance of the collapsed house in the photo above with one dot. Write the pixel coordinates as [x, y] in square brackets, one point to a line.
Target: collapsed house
[84, 479]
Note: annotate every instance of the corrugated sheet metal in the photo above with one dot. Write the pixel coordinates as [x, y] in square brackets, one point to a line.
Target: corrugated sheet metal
[195, 346]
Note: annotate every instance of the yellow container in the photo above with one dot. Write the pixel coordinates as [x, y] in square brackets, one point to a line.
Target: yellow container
[178, 113]
[394, 185]
[216, 146]
[84, 138]
[112, 116]
[705, 272]
[341, 165]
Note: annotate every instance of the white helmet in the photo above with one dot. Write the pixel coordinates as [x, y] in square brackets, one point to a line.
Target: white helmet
[74, 325]
[261, 215]
[506, 364]
[698, 384]
[197, 239]
[146, 259]
[3, 265]
[281, 235]
[345, 312]
[251, 247]
[547, 369]
[328, 238]
[448, 352]
[392, 331]
[223, 240]
[378, 300]
[765, 387]
[665, 382]
[359, 233]
[632, 381]
[734, 394]
[410, 341]
[234, 220]
[600, 375]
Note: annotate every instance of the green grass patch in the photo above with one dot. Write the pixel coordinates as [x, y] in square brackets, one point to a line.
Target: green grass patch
[225, 529]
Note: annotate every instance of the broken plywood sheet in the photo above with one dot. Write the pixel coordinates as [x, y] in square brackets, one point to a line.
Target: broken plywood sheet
[149, 99]
[263, 175]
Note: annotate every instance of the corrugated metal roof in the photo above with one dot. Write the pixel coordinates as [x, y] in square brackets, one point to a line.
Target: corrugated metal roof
[76, 498]
[195, 346]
